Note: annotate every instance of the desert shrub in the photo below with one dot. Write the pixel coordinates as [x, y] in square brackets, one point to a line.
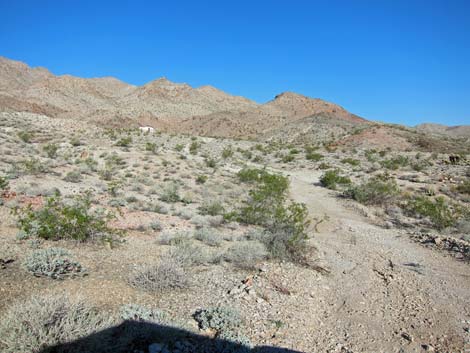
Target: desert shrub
[25, 136]
[287, 158]
[73, 176]
[3, 183]
[167, 274]
[156, 226]
[179, 147]
[323, 166]
[395, 163]
[208, 237]
[374, 192]
[248, 175]
[287, 238]
[151, 147]
[267, 206]
[75, 141]
[211, 208]
[351, 161]
[190, 254]
[193, 147]
[239, 343]
[170, 193]
[30, 326]
[219, 318]
[227, 152]
[59, 220]
[246, 254]
[140, 313]
[51, 150]
[31, 166]
[210, 163]
[463, 188]
[201, 179]
[332, 178]
[55, 263]
[268, 195]
[436, 210]
[313, 156]
[124, 142]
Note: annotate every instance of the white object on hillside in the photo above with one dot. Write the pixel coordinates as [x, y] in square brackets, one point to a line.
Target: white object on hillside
[147, 129]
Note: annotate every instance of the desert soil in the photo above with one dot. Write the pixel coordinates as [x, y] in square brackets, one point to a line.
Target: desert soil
[384, 292]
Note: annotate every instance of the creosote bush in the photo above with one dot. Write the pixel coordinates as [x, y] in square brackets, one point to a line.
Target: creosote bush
[60, 220]
[436, 210]
[376, 191]
[267, 206]
[51, 150]
[3, 183]
[170, 193]
[55, 263]
[332, 178]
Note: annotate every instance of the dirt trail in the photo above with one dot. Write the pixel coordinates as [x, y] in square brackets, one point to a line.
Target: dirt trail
[385, 293]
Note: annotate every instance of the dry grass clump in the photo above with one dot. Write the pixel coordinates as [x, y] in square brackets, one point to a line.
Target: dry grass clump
[31, 326]
[246, 254]
[167, 274]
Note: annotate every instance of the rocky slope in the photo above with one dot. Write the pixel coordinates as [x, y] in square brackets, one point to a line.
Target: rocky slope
[161, 103]
[206, 111]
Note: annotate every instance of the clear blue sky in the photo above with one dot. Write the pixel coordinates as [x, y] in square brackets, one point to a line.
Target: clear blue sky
[390, 60]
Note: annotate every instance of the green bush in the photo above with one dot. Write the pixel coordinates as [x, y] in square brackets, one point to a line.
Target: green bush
[395, 163]
[55, 263]
[313, 156]
[436, 210]
[374, 192]
[286, 223]
[151, 147]
[210, 162]
[351, 161]
[170, 193]
[250, 175]
[124, 142]
[287, 158]
[201, 179]
[32, 166]
[463, 188]
[211, 208]
[193, 147]
[25, 136]
[332, 178]
[227, 152]
[3, 183]
[73, 176]
[51, 150]
[59, 220]
[179, 147]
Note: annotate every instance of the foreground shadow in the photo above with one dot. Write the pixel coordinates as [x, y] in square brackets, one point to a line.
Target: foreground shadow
[137, 336]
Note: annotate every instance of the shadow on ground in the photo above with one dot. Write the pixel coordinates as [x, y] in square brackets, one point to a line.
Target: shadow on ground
[136, 336]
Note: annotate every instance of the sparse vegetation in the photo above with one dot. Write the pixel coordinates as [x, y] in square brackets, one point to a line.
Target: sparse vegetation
[436, 210]
[29, 326]
[60, 220]
[167, 274]
[376, 191]
[55, 263]
[332, 178]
